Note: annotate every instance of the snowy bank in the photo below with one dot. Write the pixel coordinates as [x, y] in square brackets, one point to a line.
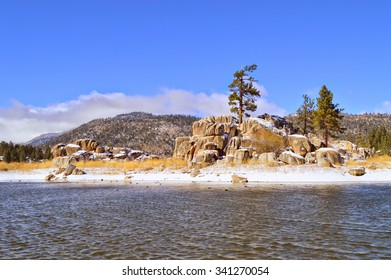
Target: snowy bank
[216, 173]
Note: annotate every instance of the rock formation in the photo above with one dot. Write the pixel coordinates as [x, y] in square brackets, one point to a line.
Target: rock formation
[263, 140]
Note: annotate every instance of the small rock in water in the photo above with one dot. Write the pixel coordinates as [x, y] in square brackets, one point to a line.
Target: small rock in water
[237, 179]
[357, 171]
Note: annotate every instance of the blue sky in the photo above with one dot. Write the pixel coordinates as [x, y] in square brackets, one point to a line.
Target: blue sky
[63, 63]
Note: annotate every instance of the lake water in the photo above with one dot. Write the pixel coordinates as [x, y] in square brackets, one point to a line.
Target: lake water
[76, 221]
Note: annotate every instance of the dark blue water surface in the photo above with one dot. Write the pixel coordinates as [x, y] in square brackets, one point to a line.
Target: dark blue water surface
[77, 221]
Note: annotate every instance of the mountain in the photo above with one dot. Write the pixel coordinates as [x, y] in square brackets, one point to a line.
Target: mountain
[154, 134]
[42, 139]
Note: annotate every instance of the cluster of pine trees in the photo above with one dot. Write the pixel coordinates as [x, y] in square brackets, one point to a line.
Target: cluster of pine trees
[380, 139]
[22, 153]
[326, 118]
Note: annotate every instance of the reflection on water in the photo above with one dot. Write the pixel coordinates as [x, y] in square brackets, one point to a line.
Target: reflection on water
[65, 221]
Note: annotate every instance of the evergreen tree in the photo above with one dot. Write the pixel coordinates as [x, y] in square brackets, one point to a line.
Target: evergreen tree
[48, 153]
[327, 116]
[7, 155]
[305, 114]
[21, 154]
[38, 155]
[243, 92]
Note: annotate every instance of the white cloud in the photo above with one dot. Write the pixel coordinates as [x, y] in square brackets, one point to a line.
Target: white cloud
[385, 107]
[21, 122]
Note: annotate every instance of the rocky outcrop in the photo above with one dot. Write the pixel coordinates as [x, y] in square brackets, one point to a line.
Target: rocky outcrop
[328, 157]
[256, 140]
[182, 145]
[87, 144]
[211, 136]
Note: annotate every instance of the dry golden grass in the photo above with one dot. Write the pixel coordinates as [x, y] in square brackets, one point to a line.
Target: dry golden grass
[373, 162]
[24, 166]
[146, 165]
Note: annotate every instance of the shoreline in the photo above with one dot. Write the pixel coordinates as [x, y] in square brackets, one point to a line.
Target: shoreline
[217, 174]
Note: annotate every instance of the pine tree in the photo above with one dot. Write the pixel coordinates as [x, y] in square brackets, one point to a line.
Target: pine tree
[327, 116]
[243, 92]
[7, 155]
[305, 114]
[48, 153]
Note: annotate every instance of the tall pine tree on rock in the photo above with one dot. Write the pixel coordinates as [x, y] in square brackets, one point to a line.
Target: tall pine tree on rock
[327, 116]
[243, 93]
[305, 114]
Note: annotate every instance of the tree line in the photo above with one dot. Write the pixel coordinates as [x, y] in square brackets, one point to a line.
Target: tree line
[23, 153]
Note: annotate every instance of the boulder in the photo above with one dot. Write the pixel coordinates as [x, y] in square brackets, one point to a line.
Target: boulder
[364, 152]
[357, 171]
[100, 149]
[59, 170]
[237, 179]
[69, 169]
[241, 156]
[206, 156]
[330, 155]
[195, 172]
[135, 154]
[323, 162]
[59, 150]
[72, 148]
[300, 144]
[349, 146]
[267, 158]
[291, 158]
[78, 171]
[182, 145]
[50, 177]
[87, 144]
[310, 158]
[120, 156]
[81, 155]
[317, 143]
[63, 161]
[260, 136]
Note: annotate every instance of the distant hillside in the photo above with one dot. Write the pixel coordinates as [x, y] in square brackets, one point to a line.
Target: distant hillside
[359, 126]
[154, 134]
[42, 139]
